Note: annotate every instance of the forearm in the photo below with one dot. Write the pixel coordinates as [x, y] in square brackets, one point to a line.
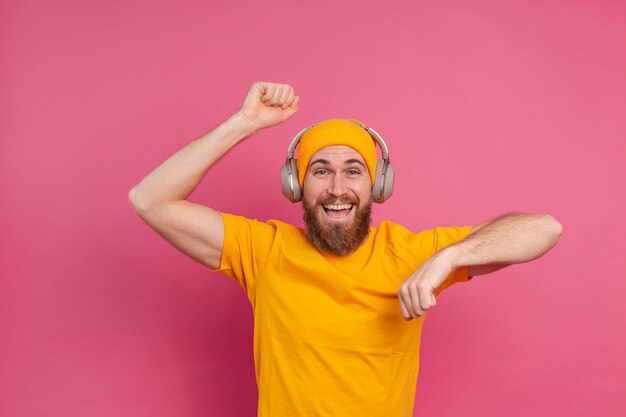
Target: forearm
[510, 239]
[179, 175]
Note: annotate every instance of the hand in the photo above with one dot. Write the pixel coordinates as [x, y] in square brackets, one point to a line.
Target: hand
[417, 294]
[268, 104]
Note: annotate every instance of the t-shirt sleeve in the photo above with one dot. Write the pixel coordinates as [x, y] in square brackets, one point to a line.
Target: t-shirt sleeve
[446, 236]
[417, 248]
[246, 245]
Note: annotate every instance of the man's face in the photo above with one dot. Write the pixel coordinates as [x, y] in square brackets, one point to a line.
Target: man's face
[337, 200]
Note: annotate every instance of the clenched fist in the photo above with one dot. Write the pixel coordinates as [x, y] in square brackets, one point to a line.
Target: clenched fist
[268, 104]
[417, 294]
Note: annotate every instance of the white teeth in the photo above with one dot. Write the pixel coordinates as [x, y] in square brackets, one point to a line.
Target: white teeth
[337, 206]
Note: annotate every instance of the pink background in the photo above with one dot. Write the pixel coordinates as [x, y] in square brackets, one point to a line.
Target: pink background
[487, 106]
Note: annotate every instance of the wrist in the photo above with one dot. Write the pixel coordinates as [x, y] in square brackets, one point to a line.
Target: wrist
[247, 124]
[451, 256]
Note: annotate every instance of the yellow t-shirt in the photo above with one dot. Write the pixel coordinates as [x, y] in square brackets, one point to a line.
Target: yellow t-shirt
[329, 336]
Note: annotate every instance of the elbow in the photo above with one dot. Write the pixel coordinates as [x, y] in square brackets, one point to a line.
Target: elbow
[555, 229]
[556, 226]
[136, 200]
[144, 204]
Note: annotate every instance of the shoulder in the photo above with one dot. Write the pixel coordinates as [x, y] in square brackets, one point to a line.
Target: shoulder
[407, 244]
[399, 235]
[399, 241]
[240, 227]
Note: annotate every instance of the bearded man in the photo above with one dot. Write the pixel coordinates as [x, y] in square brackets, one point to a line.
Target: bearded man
[339, 306]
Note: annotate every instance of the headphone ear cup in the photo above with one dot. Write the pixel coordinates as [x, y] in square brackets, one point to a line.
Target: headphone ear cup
[297, 191]
[388, 185]
[377, 187]
[383, 184]
[289, 180]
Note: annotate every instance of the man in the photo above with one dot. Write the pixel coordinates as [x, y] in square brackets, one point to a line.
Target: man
[339, 306]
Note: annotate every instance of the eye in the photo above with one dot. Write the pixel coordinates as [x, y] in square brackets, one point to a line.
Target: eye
[354, 171]
[321, 172]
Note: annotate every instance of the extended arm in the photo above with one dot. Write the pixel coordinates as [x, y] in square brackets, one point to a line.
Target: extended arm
[160, 198]
[510, 239]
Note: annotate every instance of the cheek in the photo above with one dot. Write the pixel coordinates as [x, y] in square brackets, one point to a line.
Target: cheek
[364, 191]
[314, 185]
[311, 191]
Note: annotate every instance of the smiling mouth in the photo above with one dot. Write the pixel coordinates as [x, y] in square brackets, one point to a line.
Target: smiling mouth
[338, 211]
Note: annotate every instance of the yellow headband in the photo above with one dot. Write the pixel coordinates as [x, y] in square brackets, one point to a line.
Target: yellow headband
[336, 132]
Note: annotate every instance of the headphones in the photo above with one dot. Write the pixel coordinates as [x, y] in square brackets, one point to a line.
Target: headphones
[382, 188]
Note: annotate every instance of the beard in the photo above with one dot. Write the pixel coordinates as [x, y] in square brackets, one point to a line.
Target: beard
[337, 238]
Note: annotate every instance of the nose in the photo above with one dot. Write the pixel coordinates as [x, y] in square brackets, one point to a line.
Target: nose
[337, 186]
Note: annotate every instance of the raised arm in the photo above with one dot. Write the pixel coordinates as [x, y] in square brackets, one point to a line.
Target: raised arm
[160, 198]
[510, 239]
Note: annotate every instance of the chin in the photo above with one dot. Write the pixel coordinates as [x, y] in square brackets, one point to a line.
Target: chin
[337, 234]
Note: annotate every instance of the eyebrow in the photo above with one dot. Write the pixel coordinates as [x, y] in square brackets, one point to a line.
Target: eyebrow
[352, 161]
[326, 162]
